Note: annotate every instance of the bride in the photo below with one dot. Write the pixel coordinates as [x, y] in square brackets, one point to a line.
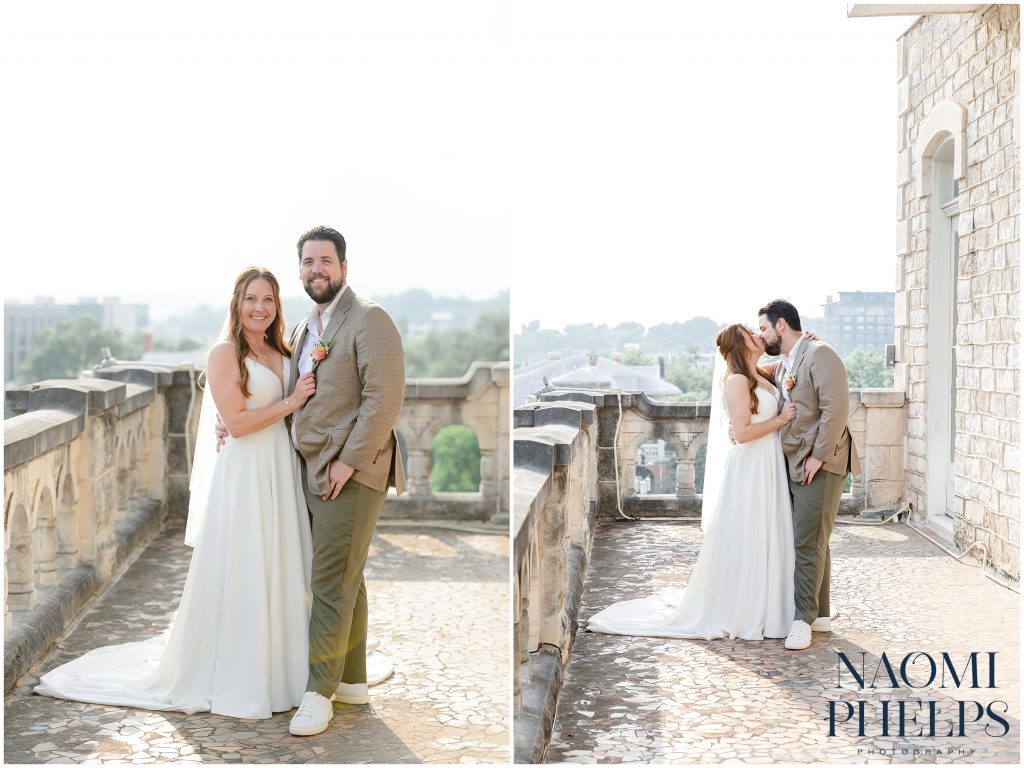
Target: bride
[742, 583]
[239, 643]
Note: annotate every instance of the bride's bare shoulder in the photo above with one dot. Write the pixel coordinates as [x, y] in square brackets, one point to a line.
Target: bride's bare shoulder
[222, 346]
[222, 351]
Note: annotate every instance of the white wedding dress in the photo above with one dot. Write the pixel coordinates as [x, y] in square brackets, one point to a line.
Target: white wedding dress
[742, 582]
[239, 644]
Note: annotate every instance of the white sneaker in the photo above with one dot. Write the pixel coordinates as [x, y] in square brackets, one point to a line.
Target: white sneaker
[824, 623]
[314, 713]
[353, 693]
[821, 624]
[799, 636]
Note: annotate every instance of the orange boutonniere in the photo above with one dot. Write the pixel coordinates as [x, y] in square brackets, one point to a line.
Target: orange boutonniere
[789, 381]
[321, 349]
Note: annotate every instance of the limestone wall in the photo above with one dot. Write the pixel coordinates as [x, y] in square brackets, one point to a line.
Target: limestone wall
[958, 77]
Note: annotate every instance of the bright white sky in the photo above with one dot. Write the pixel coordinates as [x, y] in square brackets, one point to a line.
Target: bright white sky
[702, 158]
[161, 148]
[645, 161]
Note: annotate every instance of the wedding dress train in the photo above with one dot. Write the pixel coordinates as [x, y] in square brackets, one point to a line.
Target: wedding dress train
[742, 582]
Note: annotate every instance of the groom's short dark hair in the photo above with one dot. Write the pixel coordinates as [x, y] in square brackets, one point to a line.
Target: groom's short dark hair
[781, 308]
[326, 234]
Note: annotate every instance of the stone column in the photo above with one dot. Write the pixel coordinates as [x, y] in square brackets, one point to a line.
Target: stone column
[686, 476]
[883, 480]
[20, 570]
[178, 417]
[45, 537]
[418, 475]
[488, 475]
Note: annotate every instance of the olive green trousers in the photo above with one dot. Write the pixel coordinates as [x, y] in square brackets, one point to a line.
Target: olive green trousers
[342, 532]
[815, 507]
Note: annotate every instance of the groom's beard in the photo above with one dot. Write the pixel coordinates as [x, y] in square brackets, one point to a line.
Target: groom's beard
[774, 348]
[326, 294]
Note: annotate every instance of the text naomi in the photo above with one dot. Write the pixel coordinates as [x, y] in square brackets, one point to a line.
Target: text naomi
[955, 716]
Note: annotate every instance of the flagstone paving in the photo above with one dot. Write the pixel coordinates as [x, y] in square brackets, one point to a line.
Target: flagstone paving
[438, 604]
[635, 699]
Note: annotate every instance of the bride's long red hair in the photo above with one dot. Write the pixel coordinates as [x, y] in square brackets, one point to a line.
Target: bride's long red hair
[732, 344]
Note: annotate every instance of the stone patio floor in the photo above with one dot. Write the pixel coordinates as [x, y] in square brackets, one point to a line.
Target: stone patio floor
[438, 604]
[636, 699]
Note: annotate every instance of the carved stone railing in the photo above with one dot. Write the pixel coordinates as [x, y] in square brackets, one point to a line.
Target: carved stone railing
[877, 422]
[555, 468]
[478, 400]
[566, 450]
[91, 468]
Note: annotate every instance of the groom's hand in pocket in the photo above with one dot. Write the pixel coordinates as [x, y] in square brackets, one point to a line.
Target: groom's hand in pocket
[811, 467]
[338, 474]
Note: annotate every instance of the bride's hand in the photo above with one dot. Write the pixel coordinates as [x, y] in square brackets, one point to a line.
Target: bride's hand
[788, 413]
[812, 336]
[305, 388]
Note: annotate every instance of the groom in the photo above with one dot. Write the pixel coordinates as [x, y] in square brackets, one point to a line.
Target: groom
[346, 437]
[819, 454]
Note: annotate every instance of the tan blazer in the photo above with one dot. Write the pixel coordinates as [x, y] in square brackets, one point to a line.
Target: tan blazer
[360, 388]
[822, 398]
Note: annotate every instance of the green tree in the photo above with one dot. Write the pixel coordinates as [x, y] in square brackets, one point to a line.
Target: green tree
[675, 337]
[534, 343]
[450, 353]
[629, 333]
[636, 357]
[455, 460]
[691, 376]
[64, 350]
[867, 369]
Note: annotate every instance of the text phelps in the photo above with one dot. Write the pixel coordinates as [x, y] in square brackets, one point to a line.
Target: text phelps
[914, 717]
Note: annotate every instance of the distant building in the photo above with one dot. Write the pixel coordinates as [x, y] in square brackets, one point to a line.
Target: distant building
[129, 319]
[23, 321]
[860, 320]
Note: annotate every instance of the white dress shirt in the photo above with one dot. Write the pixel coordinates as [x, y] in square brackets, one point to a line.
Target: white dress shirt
[787, 367]
[315, 320]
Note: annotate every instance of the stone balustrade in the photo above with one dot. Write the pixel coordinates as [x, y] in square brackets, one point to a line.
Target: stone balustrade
[555, 466]
[93, 466]
[478, 400]
[568, 450]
